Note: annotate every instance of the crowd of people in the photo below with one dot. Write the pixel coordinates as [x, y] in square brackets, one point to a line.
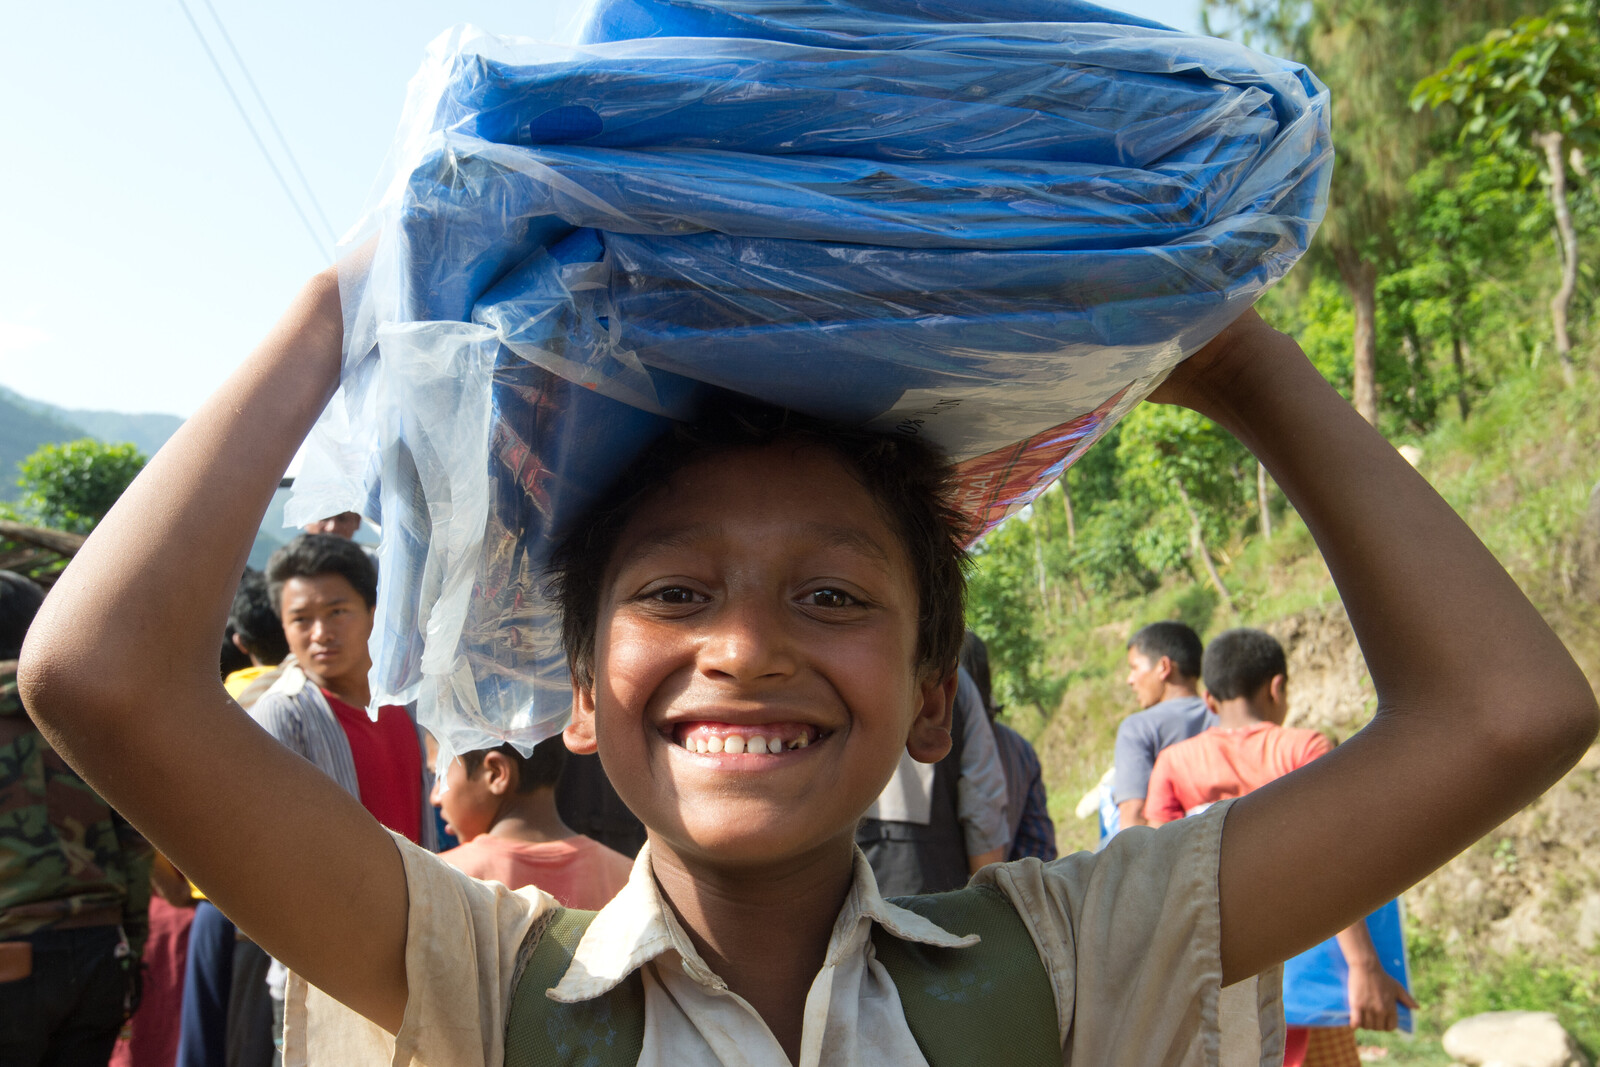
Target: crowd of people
[130, 964]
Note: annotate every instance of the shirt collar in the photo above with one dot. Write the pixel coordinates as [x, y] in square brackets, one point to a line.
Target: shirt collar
[638, 926]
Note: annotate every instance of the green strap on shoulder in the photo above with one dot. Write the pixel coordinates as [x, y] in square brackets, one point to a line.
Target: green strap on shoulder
[990, 1004]
[541, 1032]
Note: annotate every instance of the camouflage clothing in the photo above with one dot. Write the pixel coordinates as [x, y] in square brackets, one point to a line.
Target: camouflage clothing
[66, 859]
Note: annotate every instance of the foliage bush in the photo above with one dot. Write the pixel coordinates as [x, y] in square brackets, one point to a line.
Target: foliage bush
[71, 486]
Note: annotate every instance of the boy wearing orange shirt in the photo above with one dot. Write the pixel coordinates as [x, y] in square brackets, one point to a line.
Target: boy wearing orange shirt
[502, 805]
[1247, 682]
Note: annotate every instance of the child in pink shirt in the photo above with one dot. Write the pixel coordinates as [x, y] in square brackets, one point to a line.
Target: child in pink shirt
[502, 805]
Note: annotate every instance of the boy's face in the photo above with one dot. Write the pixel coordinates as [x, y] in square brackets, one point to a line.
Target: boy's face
[467, 801]
[1147, 678]
[760, 595]
[327, 625]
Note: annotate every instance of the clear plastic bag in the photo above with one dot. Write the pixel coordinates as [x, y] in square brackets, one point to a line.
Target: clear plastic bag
[997, 226]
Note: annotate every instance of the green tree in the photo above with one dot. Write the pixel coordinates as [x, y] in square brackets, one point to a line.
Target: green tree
[1003, 610]
[71, 486]
[1533, 91]
[1461, 240]
[1370, 53]
[1191, 472]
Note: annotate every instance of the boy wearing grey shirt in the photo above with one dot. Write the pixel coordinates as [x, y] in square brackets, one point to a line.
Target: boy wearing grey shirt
[1163, 672]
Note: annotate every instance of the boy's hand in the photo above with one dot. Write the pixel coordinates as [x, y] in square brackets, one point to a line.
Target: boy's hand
[1196, 381]
[1374, 998]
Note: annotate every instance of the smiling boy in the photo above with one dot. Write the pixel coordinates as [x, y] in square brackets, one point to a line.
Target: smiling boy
[770, 590]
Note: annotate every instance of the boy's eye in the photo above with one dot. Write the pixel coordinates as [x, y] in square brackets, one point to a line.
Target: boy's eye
[830, 598]
[674, 594]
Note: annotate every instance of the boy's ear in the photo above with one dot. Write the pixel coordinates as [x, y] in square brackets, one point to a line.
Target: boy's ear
[501, 773]
[579, 734]
[238, 642]
[1211, 701]
[1278, 690]
[929, 739]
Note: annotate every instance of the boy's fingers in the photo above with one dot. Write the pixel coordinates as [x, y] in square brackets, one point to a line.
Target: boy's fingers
[1405, 998]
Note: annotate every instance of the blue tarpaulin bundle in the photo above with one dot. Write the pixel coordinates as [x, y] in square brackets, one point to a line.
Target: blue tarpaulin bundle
[996, 224]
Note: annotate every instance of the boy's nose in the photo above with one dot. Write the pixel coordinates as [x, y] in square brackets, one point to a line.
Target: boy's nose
[747, 640]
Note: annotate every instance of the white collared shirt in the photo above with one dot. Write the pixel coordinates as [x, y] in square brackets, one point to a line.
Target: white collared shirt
[1130, 939]
[852, 1014]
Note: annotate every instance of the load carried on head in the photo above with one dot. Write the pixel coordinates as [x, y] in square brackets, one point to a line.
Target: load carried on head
[996, 225]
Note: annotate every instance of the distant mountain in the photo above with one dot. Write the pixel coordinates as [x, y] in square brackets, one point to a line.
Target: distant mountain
[148, 432]
[26, 424]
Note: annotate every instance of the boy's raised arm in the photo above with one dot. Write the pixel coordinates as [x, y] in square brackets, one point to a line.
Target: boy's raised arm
[120, 670]
[1480, 708]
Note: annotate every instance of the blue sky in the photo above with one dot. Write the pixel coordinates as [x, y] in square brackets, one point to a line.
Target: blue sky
[147, 245]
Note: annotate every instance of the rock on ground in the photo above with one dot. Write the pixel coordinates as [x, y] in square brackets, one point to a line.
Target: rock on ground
[1513, 1039]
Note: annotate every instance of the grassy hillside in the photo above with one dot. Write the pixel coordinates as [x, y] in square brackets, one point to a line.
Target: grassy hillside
[1516, 921]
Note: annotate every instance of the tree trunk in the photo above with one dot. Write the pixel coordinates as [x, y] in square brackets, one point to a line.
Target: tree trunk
[1361, 278]
[1038, 566]
[1066, 505]
[1198, 540]
[1551, 143]
[1459, 355]
[1261, 500]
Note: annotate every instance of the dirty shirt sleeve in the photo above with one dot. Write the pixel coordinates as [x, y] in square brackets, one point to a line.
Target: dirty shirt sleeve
[462, 939]
[1131, 940]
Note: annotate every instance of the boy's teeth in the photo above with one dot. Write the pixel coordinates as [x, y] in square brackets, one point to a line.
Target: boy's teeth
[738, 744]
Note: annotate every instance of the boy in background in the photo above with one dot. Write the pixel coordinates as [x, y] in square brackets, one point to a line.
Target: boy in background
[1027, 804]
[1164, 674]
[502, 806]
[1247, 680]
[257, 632]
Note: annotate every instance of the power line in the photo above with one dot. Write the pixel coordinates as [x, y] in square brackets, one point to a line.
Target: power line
[333, 237]
[251, 126]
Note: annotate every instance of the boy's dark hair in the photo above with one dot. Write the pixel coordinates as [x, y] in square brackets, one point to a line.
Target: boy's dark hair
[1173, 640]
[1239, 662]
[231, 658]
[541, 769]
[313, 555]
[254, 618]
[906, 477]
[975, 659]
[19, 602]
